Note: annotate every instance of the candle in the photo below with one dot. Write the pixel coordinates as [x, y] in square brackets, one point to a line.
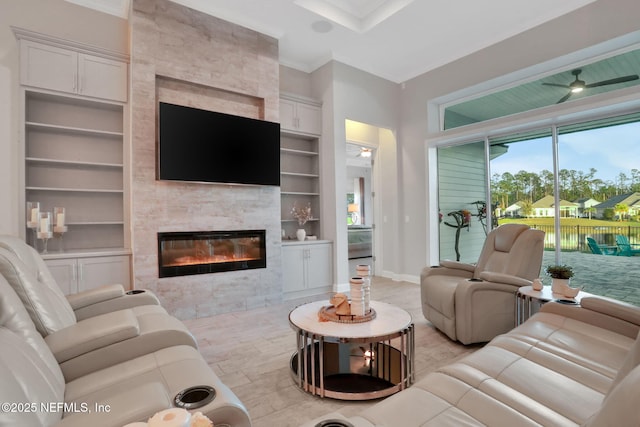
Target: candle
[44, 225]
[60, 220]
[35, 213]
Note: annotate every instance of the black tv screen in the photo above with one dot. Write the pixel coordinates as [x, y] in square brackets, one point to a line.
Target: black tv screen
[205, 146]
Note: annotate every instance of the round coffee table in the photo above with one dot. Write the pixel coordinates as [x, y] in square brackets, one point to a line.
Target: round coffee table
[353, 361]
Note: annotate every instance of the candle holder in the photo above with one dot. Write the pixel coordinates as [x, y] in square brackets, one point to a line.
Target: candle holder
[59, 228]
[45, 230]
[33, 216]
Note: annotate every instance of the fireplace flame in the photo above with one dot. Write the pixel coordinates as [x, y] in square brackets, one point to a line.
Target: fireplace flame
[208, 259]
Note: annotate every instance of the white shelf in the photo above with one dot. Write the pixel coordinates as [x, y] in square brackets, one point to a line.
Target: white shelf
[74, 163]
[298, 193]
[298, 152]
[74, 190]
[71, 129]
[92, 223]
[295, 220]
[301, 175]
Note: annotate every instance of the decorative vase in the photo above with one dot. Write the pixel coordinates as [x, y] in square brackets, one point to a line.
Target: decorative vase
[572, 292]
[559, 286]
[537, 285]
[301, 234]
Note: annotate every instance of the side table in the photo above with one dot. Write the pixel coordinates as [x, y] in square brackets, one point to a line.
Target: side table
[529, 301]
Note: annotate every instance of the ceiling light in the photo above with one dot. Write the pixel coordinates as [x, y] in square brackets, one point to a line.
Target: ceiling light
[365, 152]
[577, 89]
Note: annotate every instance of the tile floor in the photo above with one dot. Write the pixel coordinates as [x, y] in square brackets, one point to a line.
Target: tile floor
[250, 352]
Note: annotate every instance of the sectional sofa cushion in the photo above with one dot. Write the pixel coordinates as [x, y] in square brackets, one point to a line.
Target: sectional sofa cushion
[125, 392]
[565, 366]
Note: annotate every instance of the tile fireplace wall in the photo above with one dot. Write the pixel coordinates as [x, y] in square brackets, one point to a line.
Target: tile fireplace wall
[185, 57]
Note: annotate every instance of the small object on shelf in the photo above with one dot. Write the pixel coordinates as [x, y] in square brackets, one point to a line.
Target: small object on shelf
[364, 271]
[45, 229]
[33, 215]
[570, 292]
[341, 304]
[328, 314]
[59, 228]
[301, 234]
[560, 276]
[537, 284]
[357, 296]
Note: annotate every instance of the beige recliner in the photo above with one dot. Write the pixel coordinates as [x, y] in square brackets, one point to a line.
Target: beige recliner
[40, 396]
[84, 346]
[475, 302]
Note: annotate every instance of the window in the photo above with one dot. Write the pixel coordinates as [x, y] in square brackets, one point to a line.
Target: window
[613, 73]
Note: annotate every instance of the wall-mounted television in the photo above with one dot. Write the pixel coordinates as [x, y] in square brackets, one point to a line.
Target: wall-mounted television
[205, 146]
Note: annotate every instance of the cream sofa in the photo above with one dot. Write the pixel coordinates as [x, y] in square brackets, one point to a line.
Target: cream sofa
[95, 342]
[565, 366]
[35, 393]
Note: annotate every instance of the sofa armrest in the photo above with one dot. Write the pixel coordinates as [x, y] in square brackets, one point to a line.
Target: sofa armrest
[507, 279]
[107, 299]
[92, 334]
[461, 270]
[606, 313]
[457, 265]
[484, 309]
[94, 296]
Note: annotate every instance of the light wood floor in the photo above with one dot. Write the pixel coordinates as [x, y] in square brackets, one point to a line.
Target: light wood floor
[250, 352]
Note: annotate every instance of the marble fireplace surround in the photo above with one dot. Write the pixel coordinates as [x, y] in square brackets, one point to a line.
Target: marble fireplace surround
[184, 57]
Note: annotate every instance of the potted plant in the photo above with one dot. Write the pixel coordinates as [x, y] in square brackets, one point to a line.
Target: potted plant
[560, 276]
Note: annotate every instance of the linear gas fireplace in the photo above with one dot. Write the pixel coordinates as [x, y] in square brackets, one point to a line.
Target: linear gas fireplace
[186, 253]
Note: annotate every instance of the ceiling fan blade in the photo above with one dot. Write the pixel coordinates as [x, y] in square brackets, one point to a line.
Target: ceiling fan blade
[564, 98]
[614, 81]
[557, 85]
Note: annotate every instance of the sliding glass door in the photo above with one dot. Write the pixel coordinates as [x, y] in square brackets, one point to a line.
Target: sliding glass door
[580, 183]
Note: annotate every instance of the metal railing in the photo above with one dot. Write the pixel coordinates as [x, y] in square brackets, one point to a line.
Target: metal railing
[573, 237]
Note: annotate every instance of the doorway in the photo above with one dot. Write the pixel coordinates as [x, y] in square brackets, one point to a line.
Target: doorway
[359, 215]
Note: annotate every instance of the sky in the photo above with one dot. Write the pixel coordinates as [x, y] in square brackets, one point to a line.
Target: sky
[609, 150]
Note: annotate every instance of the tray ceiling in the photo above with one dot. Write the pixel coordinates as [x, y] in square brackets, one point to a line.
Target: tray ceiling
[393, 39]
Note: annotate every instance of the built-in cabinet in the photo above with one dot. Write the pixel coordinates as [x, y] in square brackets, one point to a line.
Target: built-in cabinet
[300, 115]
[79, 274]
[299, 163]
[74, 156]
[307, 268]
[55, 68]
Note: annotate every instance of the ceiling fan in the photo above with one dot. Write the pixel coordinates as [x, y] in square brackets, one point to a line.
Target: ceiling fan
[579, 85]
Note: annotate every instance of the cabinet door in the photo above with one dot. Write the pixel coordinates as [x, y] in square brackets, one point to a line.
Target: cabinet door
[319, 269]
[102, 77]
[48, 67]
[288, 114]
[97, 271]
[309, 119]
[293, 277]
[64, 273]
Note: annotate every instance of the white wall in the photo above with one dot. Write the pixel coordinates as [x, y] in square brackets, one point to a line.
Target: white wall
[53, 17]
[348, 93]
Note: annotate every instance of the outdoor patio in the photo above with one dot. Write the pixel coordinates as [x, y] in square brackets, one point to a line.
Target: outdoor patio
[616, 277]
